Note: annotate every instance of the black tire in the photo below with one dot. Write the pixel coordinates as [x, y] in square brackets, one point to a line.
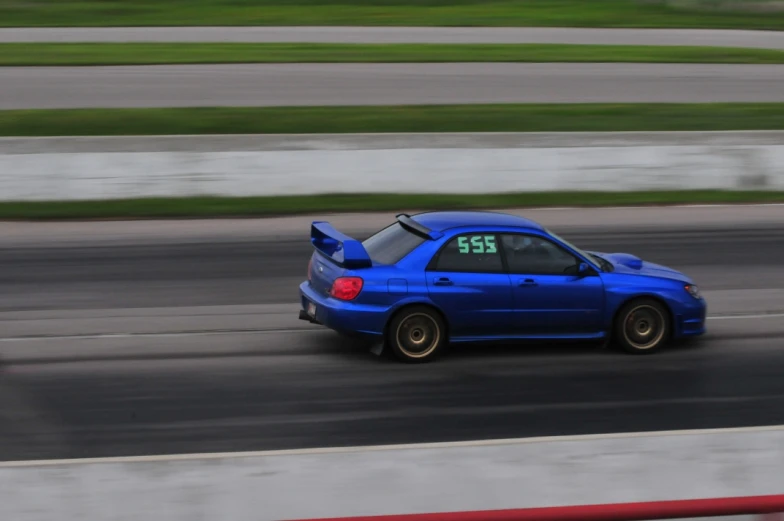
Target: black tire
[417, 334]
[642, 326]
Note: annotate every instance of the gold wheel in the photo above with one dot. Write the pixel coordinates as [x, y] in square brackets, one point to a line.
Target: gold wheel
[418, 335]
[643, 327]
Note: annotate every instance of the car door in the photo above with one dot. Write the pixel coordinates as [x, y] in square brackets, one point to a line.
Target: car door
[466, 279]
[550, 297]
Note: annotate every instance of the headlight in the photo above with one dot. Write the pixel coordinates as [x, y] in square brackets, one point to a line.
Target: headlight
[693, 290]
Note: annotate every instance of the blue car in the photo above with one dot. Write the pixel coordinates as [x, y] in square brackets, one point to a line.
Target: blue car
[436, 278]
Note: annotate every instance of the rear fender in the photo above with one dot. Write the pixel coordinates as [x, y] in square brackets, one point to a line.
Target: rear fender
[414, 301]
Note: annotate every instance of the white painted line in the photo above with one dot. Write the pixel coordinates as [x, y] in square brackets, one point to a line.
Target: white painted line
[380, 448]
[743, 317]
[99, 336]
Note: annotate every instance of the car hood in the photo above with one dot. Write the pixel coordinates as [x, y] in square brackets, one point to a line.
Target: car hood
[629, 264]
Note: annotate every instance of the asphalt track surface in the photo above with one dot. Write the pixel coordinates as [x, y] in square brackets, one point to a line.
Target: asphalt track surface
[120, 341]
[598, 36]
[382, 84]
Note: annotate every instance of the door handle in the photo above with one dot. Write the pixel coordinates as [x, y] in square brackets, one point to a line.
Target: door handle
[527, 282]
[443, 281]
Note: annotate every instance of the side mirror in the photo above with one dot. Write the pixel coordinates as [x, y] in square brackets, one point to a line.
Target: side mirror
[580, 270]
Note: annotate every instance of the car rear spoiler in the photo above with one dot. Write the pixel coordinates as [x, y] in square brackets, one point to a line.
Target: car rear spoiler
[413, 226]
[338, 247]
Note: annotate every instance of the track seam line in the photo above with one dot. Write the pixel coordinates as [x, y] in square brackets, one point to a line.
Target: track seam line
[210, 332]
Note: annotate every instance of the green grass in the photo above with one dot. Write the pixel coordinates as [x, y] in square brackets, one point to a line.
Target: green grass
[750, 14]
[319, 204]
[420, 118]
[42, 54]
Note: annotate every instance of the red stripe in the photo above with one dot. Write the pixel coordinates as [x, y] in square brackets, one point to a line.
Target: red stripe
[609, 512]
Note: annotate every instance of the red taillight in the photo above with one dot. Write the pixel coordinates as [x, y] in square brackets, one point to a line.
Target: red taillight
[346, 288]
[310, 265]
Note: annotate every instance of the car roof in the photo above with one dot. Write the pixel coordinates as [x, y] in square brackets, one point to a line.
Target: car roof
[443, 220]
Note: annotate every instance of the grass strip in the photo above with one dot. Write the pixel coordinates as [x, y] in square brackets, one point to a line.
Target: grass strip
[383, 119]
[748, 14]
[83, 54]
[203, 207]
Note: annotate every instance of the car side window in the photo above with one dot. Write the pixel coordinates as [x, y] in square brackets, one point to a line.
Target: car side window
[473, 252]
[529, 254]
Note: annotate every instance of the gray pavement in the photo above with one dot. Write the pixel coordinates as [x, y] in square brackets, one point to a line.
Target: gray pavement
[599, 36]
[36, 278]
[379, 84]
[150, 337]
[651, 219]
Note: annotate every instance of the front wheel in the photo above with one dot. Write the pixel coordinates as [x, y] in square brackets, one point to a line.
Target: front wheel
[642, 326]
[417, 334]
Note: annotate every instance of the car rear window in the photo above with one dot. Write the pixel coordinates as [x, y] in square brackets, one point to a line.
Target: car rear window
[391, 244]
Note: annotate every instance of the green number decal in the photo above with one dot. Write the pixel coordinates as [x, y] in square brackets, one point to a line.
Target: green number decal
[477, 246]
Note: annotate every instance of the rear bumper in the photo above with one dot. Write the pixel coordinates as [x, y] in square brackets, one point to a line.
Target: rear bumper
[345, 317]
[303, 315]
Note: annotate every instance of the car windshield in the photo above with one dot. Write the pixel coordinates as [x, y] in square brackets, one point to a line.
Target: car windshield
[391, 244]
[604, 264]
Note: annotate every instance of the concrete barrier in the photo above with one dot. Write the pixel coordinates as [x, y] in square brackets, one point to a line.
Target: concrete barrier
[446, 477]
[39, 169]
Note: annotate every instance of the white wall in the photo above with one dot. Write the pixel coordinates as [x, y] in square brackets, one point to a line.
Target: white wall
[107, 168]
[399, 480]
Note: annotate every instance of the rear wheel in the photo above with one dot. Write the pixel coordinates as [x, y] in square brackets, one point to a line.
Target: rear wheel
[417, 334]
[642, 326]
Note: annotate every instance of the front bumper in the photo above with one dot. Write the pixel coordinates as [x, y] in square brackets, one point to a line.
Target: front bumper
[690, 321]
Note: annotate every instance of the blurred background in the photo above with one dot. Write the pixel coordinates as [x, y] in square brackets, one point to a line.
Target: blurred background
[161, 162]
